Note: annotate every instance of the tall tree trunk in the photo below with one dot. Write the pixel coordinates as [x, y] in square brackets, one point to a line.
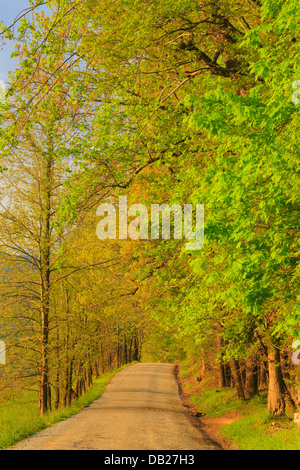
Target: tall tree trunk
[130, 350]
[136, 355]
[69, 386]
[57, 378]
[43, 389]
[45, 208]
[125, 356]
[228, 378]
[221, 369]
[96, 368]
[66, 384]
[263, 374]
[276, 403]
[286, 375]
[238, 378]
[251, 383]
[102, 358]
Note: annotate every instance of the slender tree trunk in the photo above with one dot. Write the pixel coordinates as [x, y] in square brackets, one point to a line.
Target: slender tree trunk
[57, 378]
[125, 356]
[135, 347]
[276, 403]
[43, 389]
[287, 379]
[65, 389]
[57, 390]
[238, 380]
[89, 374]
[69, 386]
[251, 382]
[102, 358]
[228, 378]
[130, 350]
[221, 368]
[45, 280]
[263, 374]
[96, 368]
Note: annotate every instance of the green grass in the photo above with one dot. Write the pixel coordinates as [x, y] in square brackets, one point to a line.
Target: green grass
[220, 402]
[19, 419]
[254, 429]
[258, 431]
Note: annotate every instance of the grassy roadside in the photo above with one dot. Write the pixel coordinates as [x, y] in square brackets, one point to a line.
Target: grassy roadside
[251, 428]
[19, 419]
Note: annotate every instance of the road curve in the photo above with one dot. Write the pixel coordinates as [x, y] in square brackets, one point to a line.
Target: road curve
[140, 410]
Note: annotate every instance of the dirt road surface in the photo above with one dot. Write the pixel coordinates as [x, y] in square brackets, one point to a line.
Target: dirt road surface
[140, 410]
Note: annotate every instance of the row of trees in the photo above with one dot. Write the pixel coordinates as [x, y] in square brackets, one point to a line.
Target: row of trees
[67, 312]
[166, 102]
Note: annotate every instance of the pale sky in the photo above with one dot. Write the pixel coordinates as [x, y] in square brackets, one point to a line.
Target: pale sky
[9, 9]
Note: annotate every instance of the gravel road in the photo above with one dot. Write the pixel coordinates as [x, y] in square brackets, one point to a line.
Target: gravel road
[140, 410]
